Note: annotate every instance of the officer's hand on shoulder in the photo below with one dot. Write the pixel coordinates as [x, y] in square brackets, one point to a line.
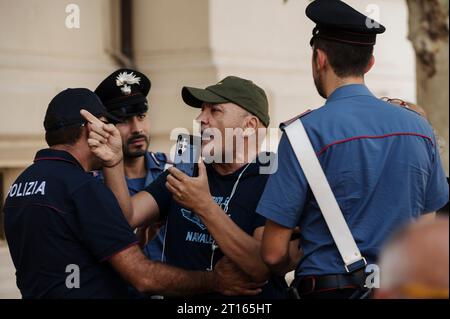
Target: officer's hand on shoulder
[104, 140]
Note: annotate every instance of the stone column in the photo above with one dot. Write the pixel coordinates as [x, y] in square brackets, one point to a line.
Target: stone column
[172, 47]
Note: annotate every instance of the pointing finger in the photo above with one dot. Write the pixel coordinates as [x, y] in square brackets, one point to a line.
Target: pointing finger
[99, 129]
[90, 118]
[98, 137]
[110, 128]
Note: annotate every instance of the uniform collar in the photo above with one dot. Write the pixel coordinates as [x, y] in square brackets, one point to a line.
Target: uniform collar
[152, 165]
[151, 162]
[349, 90]
[49, 154]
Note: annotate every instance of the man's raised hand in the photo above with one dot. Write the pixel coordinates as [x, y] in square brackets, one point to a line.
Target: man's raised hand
[104, 140]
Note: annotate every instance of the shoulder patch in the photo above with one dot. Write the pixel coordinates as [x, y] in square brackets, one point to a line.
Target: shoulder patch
[292, 120]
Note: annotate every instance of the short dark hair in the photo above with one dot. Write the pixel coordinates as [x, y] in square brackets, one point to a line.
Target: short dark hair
[68, 135]
[345, 59]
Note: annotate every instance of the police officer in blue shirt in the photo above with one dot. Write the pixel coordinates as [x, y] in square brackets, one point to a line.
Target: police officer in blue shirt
[381, 161]
[66, 232]
[124, 95]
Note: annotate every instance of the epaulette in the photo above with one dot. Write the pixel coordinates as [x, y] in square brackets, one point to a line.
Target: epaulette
[292, 120]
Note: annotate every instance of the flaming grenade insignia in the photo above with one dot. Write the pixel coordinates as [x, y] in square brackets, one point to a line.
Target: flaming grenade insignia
[124, 79]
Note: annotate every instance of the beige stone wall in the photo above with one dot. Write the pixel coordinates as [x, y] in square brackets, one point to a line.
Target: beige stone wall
[198, 43]
[39, 57]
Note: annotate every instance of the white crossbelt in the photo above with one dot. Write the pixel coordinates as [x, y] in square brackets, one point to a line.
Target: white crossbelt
[321, 189]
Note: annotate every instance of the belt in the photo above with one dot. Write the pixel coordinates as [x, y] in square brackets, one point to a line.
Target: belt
[313, 284]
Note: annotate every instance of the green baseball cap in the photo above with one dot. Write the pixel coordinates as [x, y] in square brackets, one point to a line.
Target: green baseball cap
[232, 89]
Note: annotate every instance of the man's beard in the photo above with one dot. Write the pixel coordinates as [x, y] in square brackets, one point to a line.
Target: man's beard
[127, 153]
[319, 85]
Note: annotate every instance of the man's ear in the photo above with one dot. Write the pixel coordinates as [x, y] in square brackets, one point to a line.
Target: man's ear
[251, 125]
[370, 65]
[321, 59]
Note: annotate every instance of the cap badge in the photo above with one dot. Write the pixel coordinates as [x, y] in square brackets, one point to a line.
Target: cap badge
[124, 79]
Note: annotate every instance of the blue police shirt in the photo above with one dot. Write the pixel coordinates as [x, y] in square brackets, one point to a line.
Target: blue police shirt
[57, 215]
[382, 163]
[154, 164]
[188, 242]
[136, 183]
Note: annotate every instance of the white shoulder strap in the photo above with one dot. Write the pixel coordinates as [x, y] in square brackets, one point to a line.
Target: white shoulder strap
[321, 189]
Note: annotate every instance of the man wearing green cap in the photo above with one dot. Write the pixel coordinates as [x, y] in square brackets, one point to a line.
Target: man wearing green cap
[234, 90]
[213, 214]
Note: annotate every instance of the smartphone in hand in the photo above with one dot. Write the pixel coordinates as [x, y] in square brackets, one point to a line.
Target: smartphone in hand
[187, 153]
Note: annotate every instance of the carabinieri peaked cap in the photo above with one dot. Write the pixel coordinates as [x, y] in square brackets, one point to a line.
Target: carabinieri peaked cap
[337, 21]
[124, 93]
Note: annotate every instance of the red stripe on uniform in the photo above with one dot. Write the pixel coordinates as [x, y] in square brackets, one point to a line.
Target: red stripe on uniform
[49, 206]
[372, 136]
